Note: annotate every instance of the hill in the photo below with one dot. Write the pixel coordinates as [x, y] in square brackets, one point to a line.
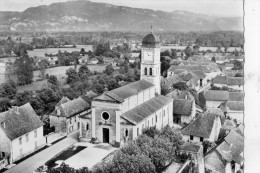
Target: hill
[84, 15]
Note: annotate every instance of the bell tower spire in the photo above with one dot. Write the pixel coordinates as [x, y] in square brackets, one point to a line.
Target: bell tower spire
[150, 61]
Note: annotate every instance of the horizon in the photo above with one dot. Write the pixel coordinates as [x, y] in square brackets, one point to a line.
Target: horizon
[210, 7]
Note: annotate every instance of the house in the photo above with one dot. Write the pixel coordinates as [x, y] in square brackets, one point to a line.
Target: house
[179, 94]
[205, 127]
[120, 115]
[53, 61]
[84, 59]
[135, 55]
[131, 60]
[195, 151]
[93, 61]
[236, 96]
[65, 117]
[21, 133]
[183, 111]
[229, 66]
[232, 73]
[220, 81]
[227, 157]
[215, 97]
[236, 83]
[234, 110]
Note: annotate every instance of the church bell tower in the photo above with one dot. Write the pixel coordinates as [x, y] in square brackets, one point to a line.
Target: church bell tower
[150, 61]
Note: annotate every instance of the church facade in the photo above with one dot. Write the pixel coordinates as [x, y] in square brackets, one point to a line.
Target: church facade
[120, 115]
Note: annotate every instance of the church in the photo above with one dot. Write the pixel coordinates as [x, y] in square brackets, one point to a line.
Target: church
[120, 115]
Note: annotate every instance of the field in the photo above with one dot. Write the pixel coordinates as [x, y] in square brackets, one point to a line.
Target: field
[60, 72]
[230, 49]
[41, 52]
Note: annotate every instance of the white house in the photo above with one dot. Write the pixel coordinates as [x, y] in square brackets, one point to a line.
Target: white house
[234, 110]
[183, 111]
[21, 133]
[65, 117]
[215, 97]
[205, 127]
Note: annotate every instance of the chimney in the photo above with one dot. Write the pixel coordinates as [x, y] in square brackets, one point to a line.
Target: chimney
[58, 111]
[3, 124]
[15, 108]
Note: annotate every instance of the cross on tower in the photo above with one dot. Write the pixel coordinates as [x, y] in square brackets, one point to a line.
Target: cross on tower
[151, 28]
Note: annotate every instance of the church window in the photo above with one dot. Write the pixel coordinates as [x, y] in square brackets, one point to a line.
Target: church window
[156, 118]
[145, 71]
[142, 126]
[191, 137]
[137, 131]
[87, 127]
[105, 116]
[151, 71]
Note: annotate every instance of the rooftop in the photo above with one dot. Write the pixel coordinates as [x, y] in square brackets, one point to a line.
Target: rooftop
[126, 91]
[201, 126]
[19, 121]
[151, 41]
[144, 110]
[216, 95]
[182, 106]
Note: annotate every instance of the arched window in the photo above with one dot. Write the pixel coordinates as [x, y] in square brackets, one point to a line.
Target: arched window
[126, 132]
[151, 71]
[145, 71]
[87, 127]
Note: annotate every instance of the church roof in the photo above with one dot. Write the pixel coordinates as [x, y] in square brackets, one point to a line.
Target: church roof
[144, 110]
[126, 91]
[151, 41]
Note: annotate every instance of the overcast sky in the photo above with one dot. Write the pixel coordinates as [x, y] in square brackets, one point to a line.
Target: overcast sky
[211, 7]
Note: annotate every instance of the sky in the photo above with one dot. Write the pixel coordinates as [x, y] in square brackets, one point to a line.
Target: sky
[229, 8]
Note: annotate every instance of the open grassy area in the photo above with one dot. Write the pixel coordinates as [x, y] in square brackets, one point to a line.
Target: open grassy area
[33, 86]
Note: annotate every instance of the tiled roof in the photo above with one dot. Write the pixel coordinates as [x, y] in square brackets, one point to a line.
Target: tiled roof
[220, 80]
[71, 108]
[144, 110]
[19, 121]
[182, 106]
[188, 67]
[126, 91]
[236, 96]
[236, 143]
[62, 101]
[199, 73]
[201, 126]
[190, 147]
[235, 105]
[225, 151]
[235, 80]
[178, 94]
[216, 95]
[217, 111]
[214, 162]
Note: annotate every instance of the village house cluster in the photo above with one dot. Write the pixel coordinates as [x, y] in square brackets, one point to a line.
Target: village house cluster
[119, 116]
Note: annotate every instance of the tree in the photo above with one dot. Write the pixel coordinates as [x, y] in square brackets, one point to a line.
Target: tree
[237, 65]
[5, 104]
[8, 89]
[72, 76]
[100, 60]
[180, 86]
[53, 80]
[84, 72]
[9, 70]
[82, 51]
[109, 69]
[188, 52]
[24, 70]
[213, 59]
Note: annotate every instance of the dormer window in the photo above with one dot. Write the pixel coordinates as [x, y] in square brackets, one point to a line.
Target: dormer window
[58, 111]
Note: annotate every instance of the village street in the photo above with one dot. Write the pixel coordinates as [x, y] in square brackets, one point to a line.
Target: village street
[30, 164]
